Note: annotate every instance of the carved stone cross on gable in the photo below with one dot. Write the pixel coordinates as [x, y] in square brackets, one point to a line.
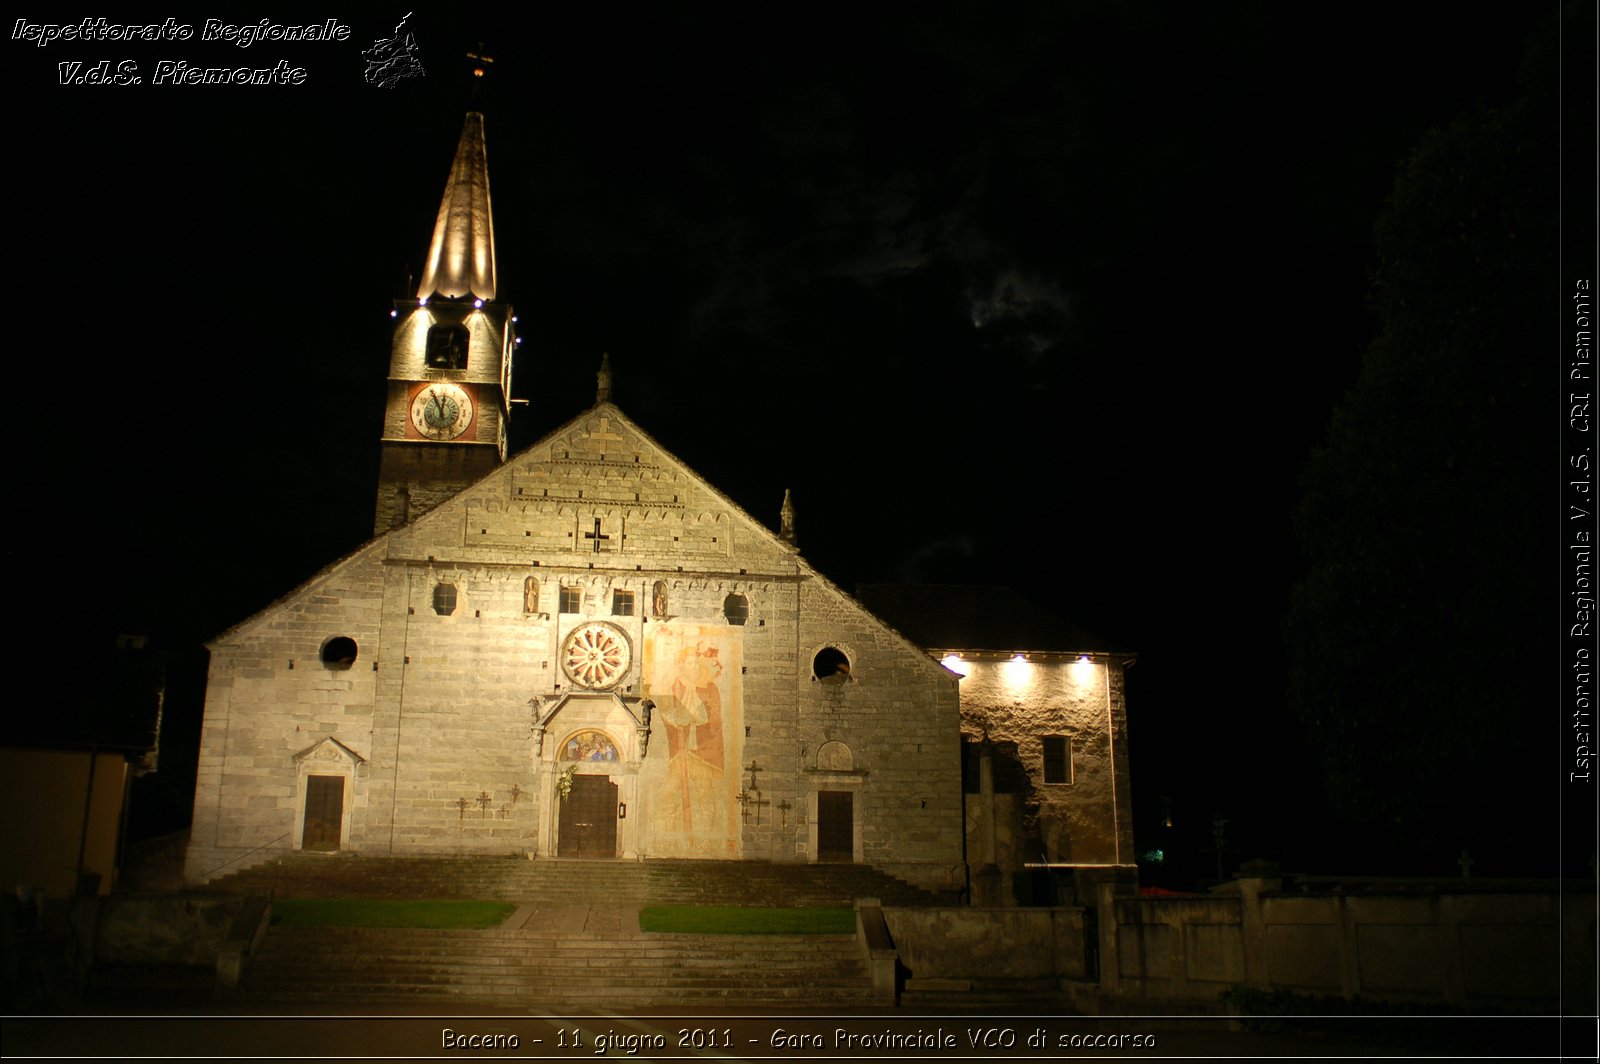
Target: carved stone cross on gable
[596, 535]
[603, 432]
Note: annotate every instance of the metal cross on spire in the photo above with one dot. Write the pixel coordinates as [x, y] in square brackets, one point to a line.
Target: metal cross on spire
[481, 62]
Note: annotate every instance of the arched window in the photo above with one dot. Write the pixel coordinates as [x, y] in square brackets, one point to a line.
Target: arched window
[444, 599]
[736, 608]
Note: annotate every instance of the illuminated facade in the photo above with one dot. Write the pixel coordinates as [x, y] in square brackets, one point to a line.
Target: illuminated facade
[585, 650]
[582, 651]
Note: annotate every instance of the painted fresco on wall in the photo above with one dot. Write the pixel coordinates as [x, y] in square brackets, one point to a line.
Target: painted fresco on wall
[589, 746]
[692, 674]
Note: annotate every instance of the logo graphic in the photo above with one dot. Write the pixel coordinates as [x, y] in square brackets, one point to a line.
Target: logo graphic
[391, 59]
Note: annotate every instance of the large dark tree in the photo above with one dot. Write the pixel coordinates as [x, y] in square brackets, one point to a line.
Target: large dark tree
[1420, 631]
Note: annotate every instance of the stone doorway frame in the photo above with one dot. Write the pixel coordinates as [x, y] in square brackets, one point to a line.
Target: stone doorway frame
[591, 711]
[833, 767]
[327, 757]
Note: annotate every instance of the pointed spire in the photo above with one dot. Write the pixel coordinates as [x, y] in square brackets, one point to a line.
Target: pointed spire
[786, 519]
[602, 380]
[461, 260]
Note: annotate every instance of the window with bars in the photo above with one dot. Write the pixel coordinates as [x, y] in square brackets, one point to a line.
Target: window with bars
[1057, 759]
[572, 600]
[622, 603]
[444, 599]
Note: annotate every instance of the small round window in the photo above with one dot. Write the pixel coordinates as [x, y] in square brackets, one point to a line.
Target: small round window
[339, 652]
[830, 665]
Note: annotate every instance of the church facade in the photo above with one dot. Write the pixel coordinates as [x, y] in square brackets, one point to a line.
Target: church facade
[591, 653]
[581, 650]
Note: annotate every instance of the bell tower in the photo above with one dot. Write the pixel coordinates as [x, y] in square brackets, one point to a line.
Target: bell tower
[444, 424]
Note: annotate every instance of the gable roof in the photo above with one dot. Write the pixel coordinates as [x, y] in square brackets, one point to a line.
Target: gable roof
[606, 409]
[616, 423]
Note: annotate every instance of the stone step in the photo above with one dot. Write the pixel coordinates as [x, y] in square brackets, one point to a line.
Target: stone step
[309, 984]
[663, 882]
[571, 968]
[640, 973]
[591, 958]
[618, 998]
[326, 943]
[468, 976]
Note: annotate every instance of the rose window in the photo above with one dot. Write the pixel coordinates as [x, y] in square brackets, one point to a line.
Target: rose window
[596, 655]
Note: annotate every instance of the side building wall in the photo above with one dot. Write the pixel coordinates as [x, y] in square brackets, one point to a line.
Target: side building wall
[1082, 818]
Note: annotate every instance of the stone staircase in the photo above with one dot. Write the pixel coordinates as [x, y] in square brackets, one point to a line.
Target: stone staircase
[564, 962]
[558, 881]
[574, 941]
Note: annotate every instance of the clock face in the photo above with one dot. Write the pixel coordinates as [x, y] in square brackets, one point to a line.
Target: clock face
[441, 411]
[596, 655]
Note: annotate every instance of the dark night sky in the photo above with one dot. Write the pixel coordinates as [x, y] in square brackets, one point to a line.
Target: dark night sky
[1051, 295]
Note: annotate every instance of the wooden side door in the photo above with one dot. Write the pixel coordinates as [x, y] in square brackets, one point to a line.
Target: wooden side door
[324, 821]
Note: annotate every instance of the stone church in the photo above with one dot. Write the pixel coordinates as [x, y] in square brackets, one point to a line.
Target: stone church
[580, 650]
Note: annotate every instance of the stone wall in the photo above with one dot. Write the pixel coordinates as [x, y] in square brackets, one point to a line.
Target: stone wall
[1086, 819]
[183, 930]
[271, 701]
[1423, 943]
[990, 944]
[887, 734]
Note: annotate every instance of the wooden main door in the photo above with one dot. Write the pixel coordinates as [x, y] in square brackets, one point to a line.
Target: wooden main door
[589, 819]
[324, 813]
[835, 826]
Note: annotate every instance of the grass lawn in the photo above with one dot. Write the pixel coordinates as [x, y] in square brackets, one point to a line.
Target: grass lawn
[745, 920]
[356, 912]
